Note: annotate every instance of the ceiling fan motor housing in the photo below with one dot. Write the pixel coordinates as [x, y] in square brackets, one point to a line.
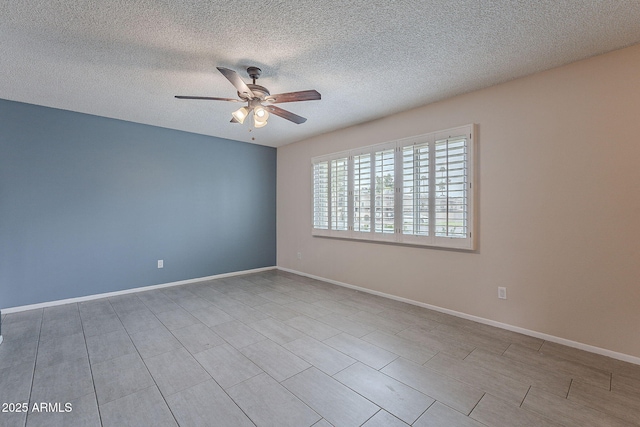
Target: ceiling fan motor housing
[260, 92]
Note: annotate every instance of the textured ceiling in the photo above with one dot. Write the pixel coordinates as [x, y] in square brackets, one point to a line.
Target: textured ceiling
[126, 59]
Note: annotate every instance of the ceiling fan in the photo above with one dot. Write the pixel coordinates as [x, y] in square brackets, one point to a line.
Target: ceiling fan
[258, 99]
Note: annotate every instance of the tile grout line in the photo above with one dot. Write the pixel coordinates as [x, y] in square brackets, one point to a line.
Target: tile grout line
[541, 345]
[402, 382]
[161, 394]
[35, 362]
[428, 407]
[476, 405]
[525, 396]
[507, 349]
[398, 357]
[431, 358]
[367, 420]
[361, 395]
[569, 389]
[294, 395]
[346, 367]
[93, 383]
[280, 384]
[474, 349]
[231, 398]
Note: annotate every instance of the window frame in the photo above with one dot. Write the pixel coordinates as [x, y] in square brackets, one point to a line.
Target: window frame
[467, 132]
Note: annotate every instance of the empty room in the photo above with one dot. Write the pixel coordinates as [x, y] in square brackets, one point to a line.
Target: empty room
[278, 213]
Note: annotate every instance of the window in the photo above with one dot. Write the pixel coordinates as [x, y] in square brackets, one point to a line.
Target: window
[417, 190]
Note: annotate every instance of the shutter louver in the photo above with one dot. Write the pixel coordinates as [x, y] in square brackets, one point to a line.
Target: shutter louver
[451, 187]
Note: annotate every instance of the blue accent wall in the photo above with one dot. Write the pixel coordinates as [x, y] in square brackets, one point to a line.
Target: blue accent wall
[89, 204]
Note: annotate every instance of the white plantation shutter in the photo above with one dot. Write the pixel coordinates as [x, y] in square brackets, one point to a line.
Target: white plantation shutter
[362, 186]
[339, 194]
[321, 195]
[451, 187]
[384, 188]
[416, 191]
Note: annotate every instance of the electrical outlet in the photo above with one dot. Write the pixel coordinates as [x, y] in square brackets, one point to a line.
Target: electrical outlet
[299, 255]
[502, 292]
[160, 263]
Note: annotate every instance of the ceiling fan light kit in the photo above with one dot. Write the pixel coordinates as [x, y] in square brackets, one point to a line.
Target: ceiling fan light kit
[260, 116]
[254, 95]
[240, 114]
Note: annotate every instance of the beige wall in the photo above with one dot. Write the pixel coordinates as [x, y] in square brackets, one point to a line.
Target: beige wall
[558, 206]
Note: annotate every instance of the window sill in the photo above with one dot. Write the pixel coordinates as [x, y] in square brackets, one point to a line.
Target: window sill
[447, 243]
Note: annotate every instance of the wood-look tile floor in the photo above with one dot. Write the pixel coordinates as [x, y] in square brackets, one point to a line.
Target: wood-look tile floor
[276, 349]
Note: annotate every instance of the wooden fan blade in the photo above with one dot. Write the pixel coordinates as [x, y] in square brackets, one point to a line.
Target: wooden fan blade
[208, 98]
[237, 82]
[304, 95]
[285, 114]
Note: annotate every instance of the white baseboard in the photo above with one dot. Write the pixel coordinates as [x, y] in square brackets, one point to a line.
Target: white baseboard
[535, 334]
[130, 291]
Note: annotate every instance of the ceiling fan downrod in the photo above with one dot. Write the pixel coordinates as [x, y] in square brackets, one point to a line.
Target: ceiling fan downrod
[254, 73]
